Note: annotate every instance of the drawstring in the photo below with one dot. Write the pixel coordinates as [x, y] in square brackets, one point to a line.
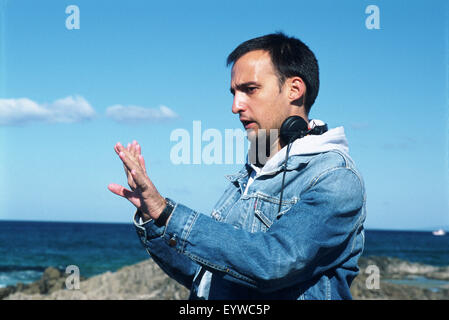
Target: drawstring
[283, 176]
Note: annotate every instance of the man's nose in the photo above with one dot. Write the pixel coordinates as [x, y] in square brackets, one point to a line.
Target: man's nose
[237, 105]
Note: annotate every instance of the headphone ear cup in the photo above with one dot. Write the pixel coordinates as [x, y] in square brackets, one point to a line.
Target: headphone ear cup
[293, 126]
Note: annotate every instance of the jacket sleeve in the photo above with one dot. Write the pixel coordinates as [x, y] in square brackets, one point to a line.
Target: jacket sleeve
[174, 264]
[315, 235]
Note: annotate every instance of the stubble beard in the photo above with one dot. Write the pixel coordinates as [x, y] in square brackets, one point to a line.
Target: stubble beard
[263, 145]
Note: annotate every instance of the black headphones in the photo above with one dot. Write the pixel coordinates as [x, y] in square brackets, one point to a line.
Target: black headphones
[295, 127]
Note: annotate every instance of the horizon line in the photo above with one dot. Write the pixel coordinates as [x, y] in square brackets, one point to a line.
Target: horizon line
[445, 228]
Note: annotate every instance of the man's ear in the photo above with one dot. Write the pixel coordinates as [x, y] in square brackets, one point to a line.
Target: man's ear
[297, 88]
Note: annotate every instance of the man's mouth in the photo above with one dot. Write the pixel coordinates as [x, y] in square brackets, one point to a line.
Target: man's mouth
[248, 124]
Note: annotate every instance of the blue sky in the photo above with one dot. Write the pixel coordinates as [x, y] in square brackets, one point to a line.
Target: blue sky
[388, 87]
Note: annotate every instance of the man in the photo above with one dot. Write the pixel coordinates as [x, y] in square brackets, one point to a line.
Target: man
[252, 245]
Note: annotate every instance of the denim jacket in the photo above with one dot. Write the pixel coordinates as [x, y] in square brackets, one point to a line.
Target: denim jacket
[245, 249]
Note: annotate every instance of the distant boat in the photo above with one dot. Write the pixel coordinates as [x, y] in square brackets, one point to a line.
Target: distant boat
[439, 232]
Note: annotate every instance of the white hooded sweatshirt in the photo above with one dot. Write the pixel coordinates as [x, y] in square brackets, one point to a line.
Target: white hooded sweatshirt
[311, 144]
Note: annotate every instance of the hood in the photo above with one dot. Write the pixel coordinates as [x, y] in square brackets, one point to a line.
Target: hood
[333, 139]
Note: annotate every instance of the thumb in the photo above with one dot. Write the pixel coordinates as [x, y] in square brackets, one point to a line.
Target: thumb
[125, 193]
[119, 190]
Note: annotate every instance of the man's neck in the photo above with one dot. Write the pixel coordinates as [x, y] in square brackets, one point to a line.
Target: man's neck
[271, 150]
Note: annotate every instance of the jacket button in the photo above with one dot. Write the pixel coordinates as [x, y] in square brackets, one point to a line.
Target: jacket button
[172, 242]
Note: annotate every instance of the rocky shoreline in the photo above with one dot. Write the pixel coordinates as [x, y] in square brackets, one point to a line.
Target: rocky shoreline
[393, 270]
[145, 280]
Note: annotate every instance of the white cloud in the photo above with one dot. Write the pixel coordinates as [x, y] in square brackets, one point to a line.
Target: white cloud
[24, 110]
[75, 109]
[71, 109]
[135, 114]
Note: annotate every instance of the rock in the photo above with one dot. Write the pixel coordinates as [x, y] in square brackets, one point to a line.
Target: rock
[145, 280]
[51, 281]
[390, 291]
[394, 269]
[4, 292]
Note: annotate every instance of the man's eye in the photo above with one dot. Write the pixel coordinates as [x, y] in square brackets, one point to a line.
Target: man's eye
[251, 89]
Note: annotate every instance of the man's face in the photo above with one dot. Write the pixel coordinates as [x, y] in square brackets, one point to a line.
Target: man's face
[257, 98]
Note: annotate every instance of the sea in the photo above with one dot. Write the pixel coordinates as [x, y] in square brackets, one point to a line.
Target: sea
[27, 248]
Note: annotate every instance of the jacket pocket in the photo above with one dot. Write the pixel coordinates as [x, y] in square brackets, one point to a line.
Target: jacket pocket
[266, 210]
[225, 203]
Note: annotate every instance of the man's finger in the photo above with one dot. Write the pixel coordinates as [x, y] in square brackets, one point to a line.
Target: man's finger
[129, 148]
[140, 179]
[142, 163]
[119, 148]
[125, 193]
[131, 182]
[119, 190]
[126, 171]
[137, 173]
[129, 161]
[116, 148]
[134, 149]
[139, 156]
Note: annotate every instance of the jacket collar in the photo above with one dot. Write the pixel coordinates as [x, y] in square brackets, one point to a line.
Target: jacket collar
[239, 175]
[293, 162]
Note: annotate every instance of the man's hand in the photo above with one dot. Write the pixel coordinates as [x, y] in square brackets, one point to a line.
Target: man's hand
[143, 193]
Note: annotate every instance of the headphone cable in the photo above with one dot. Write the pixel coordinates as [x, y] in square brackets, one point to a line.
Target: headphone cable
[283, 176]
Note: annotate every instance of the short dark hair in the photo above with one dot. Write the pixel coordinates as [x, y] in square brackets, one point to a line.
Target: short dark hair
[290, 57]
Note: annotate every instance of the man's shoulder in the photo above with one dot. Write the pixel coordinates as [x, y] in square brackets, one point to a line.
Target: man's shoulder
[333, 158]
[331, 161]
[337, 162]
